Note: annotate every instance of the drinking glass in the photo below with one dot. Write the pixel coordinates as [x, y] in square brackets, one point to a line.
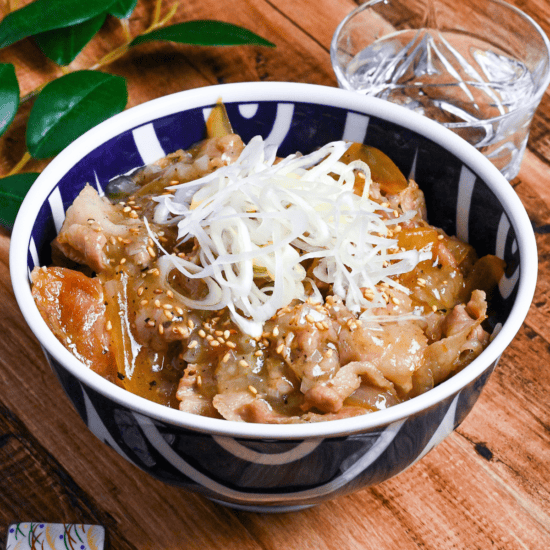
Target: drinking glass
[479, 67]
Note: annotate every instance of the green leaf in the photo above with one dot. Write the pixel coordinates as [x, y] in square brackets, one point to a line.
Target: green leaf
[12, 192]
[71, 105]
[46, 15]
[63, 45]
[123, 8]
[204, 33]
[9, 95]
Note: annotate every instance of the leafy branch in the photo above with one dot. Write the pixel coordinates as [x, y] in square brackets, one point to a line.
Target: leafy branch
[70, 105]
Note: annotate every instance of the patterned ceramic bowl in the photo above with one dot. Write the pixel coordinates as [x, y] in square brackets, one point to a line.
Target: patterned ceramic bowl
[271, 467]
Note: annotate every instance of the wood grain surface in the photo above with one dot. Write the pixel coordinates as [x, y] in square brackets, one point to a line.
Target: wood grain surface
[486, 487]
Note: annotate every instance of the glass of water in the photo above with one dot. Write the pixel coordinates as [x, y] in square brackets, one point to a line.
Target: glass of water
[479, 67]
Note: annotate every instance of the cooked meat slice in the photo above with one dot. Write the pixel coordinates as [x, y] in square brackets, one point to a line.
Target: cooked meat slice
[260, 412]
[395, 349]
[229, 404]
[96, 231]
[73, 307]
[330, 397]
[464, 339]
[307, 337]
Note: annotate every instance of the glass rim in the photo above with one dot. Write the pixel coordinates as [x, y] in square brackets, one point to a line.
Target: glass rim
[534, 98]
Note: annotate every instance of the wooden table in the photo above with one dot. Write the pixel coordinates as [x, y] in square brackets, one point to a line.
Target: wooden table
[486, 487]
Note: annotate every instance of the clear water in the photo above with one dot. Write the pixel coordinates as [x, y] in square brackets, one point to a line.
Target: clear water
[462, 82]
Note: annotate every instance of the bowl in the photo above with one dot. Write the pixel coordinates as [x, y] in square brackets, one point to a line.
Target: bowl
[282, 467]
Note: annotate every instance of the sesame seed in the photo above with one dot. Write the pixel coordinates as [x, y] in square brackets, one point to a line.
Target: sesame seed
[275, 331]
[144, 302]
[133, 214]
[397, 229]
[309, 318]
[140, 290]
[319, 325]
[440, 237]
[170, 294]
[253, 390]
[127, 209]
[434, 308]
[168, 314]
[193, 344]
[199, 380]
[179, 311]
[226, 357]
[243, 363]
[157, 303]
[328, 354]
[218, 332]
[122, 261]
[151, 322]
[280, 348]
[221, 340]
[396, 301]
[190, 324]
[258, 353]
[161, 329]
[202, 334]
[109, 325]
[167, 306]
[421, 282]
[226, 334]
[214, 343]
[231, 345]
[158, 291]
[209, 337]
[151, 251]
[113, 241]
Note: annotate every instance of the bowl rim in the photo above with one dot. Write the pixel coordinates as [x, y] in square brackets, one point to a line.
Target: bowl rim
[292, 93]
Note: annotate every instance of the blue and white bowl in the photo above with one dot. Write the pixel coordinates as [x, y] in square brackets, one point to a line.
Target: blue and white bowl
[273, 467]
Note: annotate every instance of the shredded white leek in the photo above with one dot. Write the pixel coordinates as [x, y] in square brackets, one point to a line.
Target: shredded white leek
[256, 220]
